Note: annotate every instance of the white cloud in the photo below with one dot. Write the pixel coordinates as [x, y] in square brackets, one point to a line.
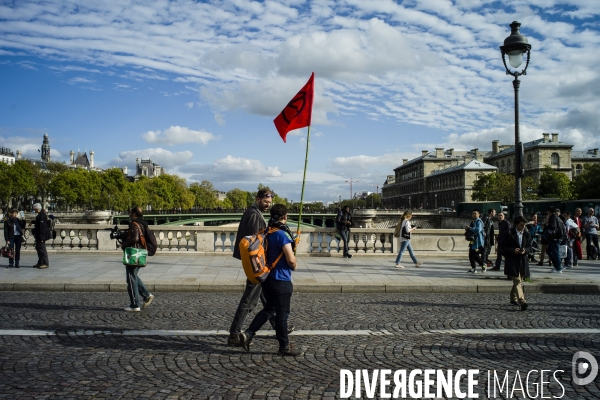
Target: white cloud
[369, 167]
[164, 158]
[79, 79]
[178, 135]
[189, 105]
[219, 119]
[231, 169]
[28, 146]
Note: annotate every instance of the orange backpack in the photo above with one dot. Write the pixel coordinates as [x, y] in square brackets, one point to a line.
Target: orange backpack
[253, 250]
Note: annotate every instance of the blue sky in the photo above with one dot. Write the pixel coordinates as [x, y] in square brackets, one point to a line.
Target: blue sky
[195, 85]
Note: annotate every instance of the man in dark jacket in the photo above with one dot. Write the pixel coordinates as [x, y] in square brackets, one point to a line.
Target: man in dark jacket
[343, 223]
[135, 287]
[252, 222]
[41, 233]
[503, 227]
[552, 234]
[516, 245]
[488, 235]
[13, 234]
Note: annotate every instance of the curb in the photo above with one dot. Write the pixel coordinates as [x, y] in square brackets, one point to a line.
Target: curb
[300, 288]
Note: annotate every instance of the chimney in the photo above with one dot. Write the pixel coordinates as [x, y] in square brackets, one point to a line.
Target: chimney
[137, 162]
[91, 158]
[72, 157]
[546, 137]
[439, 152]
[125, 170]
[424, 153]
[595, 151]
[495, 146]
[451, 152]
[404, 160]
[555, 138]
[475, 154]
[20, 154]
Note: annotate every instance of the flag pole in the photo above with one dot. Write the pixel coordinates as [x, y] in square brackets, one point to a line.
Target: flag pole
[303, 181]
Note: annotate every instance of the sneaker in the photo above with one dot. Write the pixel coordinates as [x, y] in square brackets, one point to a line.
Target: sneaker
[35, 265]
[417, 265]
[399, 266]
[43, 266]
[556, 271]
[234, 340]
[291, 329]
[148, 301]
[524, 306]
[473, 271]
[132, 309]
[483, 269]
[567, 267]
[349, 255]
[290, 351]
[245, 339]
[514, 303]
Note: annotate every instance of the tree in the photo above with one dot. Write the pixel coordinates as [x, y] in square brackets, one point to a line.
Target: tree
[238, 198]
[587, 184]
[498, 186]
[554, 184]
[205, 194]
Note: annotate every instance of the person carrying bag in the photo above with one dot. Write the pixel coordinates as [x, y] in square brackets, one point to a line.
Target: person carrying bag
[403, 232]
[135, 251]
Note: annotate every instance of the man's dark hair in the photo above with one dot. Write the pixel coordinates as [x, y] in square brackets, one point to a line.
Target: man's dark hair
[262, 193]
[518, 219]
[476, 210]
[490, 210]
[346, 207]
[14, 210]
[137, 212]
[278, 211]
[568, 214]
[551, 209]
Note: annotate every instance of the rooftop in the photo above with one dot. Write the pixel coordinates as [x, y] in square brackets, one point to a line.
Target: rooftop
[473, 165]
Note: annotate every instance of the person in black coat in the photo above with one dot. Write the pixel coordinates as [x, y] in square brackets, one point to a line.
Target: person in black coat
[503, 227]
[516, 245]
[14, 228]
[41, 233]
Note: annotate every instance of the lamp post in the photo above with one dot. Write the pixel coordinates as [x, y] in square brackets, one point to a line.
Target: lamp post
[514, 47]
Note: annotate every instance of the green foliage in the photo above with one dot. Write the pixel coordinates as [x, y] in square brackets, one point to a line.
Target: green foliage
[205, 195]
[587, 184]
[498, 186]
[238, 198]
[554, 184]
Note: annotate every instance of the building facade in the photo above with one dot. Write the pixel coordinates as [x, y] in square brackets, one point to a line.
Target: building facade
[7, 156]
[147, 168]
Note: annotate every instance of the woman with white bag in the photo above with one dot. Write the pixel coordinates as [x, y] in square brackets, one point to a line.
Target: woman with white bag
[403, 232]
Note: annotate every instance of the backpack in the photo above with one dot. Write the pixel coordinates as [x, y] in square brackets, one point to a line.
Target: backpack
[575, 233]
[50, 232]
[469, 234]
[592, 251]
[253, 251]
[561, 232]
[147, 240]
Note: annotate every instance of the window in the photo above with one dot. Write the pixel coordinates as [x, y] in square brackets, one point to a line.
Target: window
[502, 167]
[529, 162]
[555, 159]
[509, 166]
[578, 170]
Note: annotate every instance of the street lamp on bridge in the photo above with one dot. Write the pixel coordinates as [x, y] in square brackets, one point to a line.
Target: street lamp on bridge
[515, 46]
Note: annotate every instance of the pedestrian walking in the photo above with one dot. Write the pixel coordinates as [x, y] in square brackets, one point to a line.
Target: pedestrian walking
[474, 231]
[503, 227]
[590, 225]
[252, 222]
[343, 223]
[535, 230]
[138, 228]
[277, 288]
[577, 249]
[553, 236]
[41, 233]
[516, 245]
[488, 235]
[570, 228]
[403, 232]
[14, 228]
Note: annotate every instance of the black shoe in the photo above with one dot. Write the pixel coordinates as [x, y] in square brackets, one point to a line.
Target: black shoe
[16, 266]
[290, 351]
[291, 329]
[514, 303]
[524, 306]
[245, 339]
[35, 266]
[9, 266]
[234, 340]
[349, 255]
[541, 263]
[495, 269]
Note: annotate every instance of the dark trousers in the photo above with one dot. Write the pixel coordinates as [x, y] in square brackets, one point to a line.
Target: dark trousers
[475, 256]
[135, 286]
[553, 254]
[278, 295]
[499, 259]
[592, 240]
[15, 243]
[344, 235]
[40, 248]
[248, 303]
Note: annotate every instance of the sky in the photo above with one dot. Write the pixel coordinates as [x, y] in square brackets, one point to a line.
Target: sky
[195, 85]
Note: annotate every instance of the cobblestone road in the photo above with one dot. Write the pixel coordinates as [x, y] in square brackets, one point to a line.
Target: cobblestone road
[77, 363]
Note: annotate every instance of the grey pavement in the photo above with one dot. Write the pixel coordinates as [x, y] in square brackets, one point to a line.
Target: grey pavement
[83, 271]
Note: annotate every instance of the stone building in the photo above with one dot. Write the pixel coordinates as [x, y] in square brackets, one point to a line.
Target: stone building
[538, 154]
[450, 174]
[45, 153]
[408, 186]
[7, 156]
[82, 160]
[147, 168]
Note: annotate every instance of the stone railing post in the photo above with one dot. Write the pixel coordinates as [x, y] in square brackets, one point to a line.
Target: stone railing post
[105, 243]
[205, 241]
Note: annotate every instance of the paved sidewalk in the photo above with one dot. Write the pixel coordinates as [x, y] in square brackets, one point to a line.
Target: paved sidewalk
[177, 273]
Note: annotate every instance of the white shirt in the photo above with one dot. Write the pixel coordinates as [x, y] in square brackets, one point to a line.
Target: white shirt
[520, 234]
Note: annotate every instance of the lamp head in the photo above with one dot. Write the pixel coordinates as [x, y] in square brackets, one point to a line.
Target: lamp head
[515, 46]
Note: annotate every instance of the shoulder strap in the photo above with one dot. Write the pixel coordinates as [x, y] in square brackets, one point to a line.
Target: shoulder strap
[142, 238]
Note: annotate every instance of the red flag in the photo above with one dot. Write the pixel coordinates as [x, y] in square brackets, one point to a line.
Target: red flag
[298, 113]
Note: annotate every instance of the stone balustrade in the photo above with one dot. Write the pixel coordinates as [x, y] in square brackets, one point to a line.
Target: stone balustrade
[199, 240]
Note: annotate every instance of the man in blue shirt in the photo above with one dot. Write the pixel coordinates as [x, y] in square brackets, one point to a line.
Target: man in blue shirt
[278, 287]
[476, 244]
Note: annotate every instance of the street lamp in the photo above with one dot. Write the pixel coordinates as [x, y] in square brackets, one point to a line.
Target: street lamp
[514, 47]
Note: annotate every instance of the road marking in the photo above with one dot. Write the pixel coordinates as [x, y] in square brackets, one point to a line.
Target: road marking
[532, 331]
[156, 332]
